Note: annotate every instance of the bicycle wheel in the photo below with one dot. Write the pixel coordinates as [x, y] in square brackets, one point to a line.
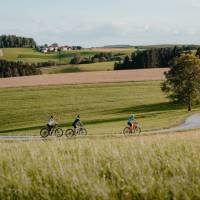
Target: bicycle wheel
[69, 132]
[44, 132]
[83, 131]
[137, 130]
[58, 132]
[126, 131]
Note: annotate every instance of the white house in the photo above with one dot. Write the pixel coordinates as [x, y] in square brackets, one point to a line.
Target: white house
[53, 48]
[65, 48]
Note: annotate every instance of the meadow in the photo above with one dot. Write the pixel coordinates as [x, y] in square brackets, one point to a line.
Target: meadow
[33, 56]
[161, 167]
[104, 108]
[105, 66]
[64, 57]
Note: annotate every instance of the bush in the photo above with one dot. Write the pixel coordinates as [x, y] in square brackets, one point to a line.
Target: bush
[13, 69]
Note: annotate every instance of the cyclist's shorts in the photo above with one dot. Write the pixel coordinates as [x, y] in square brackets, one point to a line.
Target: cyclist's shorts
[129, 123]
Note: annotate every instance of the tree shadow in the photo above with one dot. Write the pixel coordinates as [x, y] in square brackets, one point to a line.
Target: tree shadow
[143, 111]
[148, 108]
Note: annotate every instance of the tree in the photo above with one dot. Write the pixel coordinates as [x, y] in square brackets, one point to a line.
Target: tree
[182, 83]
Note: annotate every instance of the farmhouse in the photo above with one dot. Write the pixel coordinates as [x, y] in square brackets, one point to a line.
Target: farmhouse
[55, 48]
[65, 48]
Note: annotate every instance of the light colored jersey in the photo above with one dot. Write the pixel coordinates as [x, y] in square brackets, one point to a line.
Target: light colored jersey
[51, 122]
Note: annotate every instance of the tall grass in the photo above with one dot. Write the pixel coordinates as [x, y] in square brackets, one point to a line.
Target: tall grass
[156, 167]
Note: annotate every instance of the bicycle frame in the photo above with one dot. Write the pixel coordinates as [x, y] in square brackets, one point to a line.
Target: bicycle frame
[133, 127]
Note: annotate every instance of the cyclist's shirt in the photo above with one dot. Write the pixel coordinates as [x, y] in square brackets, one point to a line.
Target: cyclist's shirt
[51, 122]
[131, 119]
[76, 121]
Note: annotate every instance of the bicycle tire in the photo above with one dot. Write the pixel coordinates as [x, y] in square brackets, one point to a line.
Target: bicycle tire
[126, 131]
[69, 132]
[83, 131]
[44, 132]
[58, 132]
[137, 131]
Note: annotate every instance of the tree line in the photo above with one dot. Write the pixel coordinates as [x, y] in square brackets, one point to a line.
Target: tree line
[100, 57]
[13, 69]
[13, 41]
[153, 58]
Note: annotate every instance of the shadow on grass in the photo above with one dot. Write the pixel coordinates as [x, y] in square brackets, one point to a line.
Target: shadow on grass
[146, 110]
[150, 108]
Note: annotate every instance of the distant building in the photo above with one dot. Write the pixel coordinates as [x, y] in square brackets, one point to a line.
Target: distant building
[65, 48]
[55, 48]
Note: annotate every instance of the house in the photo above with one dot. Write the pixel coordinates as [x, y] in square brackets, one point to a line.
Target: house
[65, 48]
[53, 48]
[44, 50]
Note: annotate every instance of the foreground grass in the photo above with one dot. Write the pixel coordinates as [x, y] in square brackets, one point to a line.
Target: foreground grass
[104, 108]
[105, 66]
[152, 167]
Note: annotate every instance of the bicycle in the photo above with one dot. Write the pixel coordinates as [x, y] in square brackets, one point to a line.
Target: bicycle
[78, 131]
[44, 132]
[135, 129]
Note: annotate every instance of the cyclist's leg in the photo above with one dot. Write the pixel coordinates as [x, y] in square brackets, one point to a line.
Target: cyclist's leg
[49, 127]
[75, 128]
[130, 125]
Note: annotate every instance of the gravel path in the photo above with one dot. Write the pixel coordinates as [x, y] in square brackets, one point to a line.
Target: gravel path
[85, 77]
[192, 122]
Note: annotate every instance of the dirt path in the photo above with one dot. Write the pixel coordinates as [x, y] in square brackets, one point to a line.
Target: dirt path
[192, 122]
[85, 77]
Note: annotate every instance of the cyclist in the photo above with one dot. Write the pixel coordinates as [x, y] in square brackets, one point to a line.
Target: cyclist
[131, 120]
[77, 122]
[51, 123]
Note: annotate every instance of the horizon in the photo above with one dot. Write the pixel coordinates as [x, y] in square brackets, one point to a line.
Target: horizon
[97, 24]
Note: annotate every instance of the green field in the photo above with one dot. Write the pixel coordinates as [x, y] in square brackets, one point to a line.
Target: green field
[154, 167]
[104, 108]
[103, 165]
[104, 66]
[33, 56]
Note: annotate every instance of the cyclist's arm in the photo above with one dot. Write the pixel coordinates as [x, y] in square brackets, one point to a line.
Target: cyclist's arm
[80, 123]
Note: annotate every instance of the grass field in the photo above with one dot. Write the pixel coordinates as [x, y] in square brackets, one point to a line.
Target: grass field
[105, 66]
[104, 108]
[31, 55]
[152, 167]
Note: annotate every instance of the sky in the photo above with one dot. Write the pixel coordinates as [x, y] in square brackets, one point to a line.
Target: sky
[92, 23]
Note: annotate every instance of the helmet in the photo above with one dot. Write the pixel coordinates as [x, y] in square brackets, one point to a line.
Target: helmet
[51, 116]
[78, 116]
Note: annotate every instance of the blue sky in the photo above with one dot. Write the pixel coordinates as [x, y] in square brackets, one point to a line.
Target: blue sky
[98, 23]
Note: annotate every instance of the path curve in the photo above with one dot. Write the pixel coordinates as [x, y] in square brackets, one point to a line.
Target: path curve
[192, 122]
[86, 78]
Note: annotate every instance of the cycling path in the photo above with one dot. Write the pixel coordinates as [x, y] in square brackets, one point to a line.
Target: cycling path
[192, 122]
